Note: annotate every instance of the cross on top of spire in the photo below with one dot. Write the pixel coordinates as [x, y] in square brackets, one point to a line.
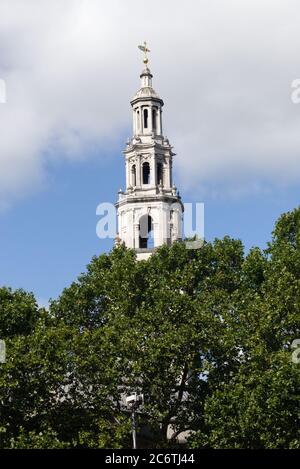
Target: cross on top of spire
[145, 49]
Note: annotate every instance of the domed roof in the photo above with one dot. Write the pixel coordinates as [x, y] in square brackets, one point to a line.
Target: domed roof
[146, 92]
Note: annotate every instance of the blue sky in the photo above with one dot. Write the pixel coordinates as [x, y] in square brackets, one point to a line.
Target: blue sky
[47, 239]
[225, 72]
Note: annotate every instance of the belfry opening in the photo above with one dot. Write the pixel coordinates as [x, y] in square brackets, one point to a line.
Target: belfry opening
[146, 235]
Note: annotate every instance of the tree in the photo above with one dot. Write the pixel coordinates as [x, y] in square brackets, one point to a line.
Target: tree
[259, 406]
[18, 312]
[204, 334]
[150, 328]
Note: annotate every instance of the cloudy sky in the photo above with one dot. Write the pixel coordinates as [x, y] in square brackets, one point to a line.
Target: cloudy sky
[224, 69]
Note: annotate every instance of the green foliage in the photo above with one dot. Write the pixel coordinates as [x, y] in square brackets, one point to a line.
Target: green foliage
[42, 440]
[258, 408]
[18, 312]
[205, 334]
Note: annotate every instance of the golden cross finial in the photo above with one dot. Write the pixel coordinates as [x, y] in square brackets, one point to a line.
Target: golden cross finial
[145, 49]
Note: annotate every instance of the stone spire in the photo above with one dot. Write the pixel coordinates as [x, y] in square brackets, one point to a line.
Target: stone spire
[149, 210]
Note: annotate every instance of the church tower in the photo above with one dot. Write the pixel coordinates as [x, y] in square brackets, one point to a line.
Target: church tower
[150, 208]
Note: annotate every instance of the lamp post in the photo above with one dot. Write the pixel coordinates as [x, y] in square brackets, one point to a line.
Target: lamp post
[133, 420]
[133, 402]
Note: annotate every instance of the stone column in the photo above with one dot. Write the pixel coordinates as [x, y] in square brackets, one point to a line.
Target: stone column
[159, 123]
[167, 174]
[134, 122]
[140, 124]
[127, 174]
[153, 178]
[156, 234]
[170, 180]
[136, 243]
[138, 170]
[150, 123]
[142, 119]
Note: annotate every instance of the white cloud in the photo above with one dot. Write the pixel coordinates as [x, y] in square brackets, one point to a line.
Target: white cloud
[224, 70]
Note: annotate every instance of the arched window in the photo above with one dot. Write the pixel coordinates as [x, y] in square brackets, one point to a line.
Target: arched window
[146, 238]
[138, 120]
[145, 118]
[154, 119]
[133, 175]
[146, 173]
[159, 173]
